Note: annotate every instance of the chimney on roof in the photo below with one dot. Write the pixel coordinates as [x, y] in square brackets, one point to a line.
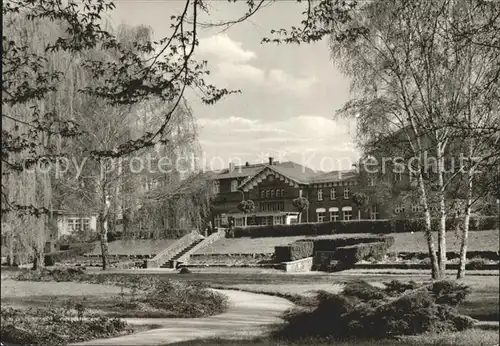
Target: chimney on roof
[271, 161]
[231, 166]
[247, 164]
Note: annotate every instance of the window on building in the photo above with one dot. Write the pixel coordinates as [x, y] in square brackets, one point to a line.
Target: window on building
[399, 209]
[272, 193]
[263, 220]
[262, 193]
[86, 224]
[321, 217]
[282, 192]
[398, 176]
[320, 214]
[374, 213]
[234, 185]
[347, 213]
[333, 193]
[334, 214]
[239, 221]
[278, 191]
[268, 193]
[277, 220]
[320, 194]
[346, 193]
[216, 187]
[78, 224]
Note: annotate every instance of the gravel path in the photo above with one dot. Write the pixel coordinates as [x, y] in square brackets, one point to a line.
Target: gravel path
[249, 315]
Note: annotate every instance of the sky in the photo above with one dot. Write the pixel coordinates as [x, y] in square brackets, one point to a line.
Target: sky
[289, 93]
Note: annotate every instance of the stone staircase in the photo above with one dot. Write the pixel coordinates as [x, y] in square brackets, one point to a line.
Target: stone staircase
[172, 262]
[182, 249]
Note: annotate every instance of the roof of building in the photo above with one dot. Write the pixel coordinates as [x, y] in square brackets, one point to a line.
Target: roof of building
[293, 171]
[333, 176]
[237, 172]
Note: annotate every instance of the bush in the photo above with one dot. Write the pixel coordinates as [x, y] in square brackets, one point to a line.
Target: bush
[449, 292]
[349, 255]
[396, 287]
[294, 251]
[185, 300]
[476, 263]
[184, 270]
[56, 326]
[363, 290]
[51, 259]
[64, 274]
[364, 311]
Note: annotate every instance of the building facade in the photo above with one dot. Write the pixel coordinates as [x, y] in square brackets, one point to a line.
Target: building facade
[273, 187]
[70, 223]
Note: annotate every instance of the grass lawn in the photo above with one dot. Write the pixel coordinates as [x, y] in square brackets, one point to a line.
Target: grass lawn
[472, 337]
[135, 247]
[482, 304]
[403, 242]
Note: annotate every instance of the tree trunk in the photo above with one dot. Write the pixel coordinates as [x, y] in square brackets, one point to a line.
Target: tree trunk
[38, 259]
[465, 231]
[11, 249]
[103, 241]
[442, 211]
[435, 271]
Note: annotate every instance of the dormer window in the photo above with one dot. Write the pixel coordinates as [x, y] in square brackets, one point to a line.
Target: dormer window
[234, 185]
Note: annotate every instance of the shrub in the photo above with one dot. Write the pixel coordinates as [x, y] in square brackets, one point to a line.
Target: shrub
[185, 300]
[396, 287]
[363, 311]
[294, 251]
[51, 259]
[476, 263]
[350, 255]
[55, 326]
[64, 274]
[449, 292]
[184, 270]
[363, 290]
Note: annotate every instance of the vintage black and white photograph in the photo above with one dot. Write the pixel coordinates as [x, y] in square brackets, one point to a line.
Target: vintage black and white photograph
[250, 172]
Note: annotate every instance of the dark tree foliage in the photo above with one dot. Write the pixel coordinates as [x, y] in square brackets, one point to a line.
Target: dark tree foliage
[159, 70]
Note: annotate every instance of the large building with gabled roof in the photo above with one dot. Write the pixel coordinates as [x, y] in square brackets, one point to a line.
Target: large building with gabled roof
[273, 186]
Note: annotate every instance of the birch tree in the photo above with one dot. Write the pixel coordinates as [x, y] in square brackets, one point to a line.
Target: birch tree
[406, 78]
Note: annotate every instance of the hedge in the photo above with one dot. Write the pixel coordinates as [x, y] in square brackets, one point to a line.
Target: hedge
[58, 256]
[349, 255]
[171, 233]
[356, 226]
[294, 251]
[333, 244]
